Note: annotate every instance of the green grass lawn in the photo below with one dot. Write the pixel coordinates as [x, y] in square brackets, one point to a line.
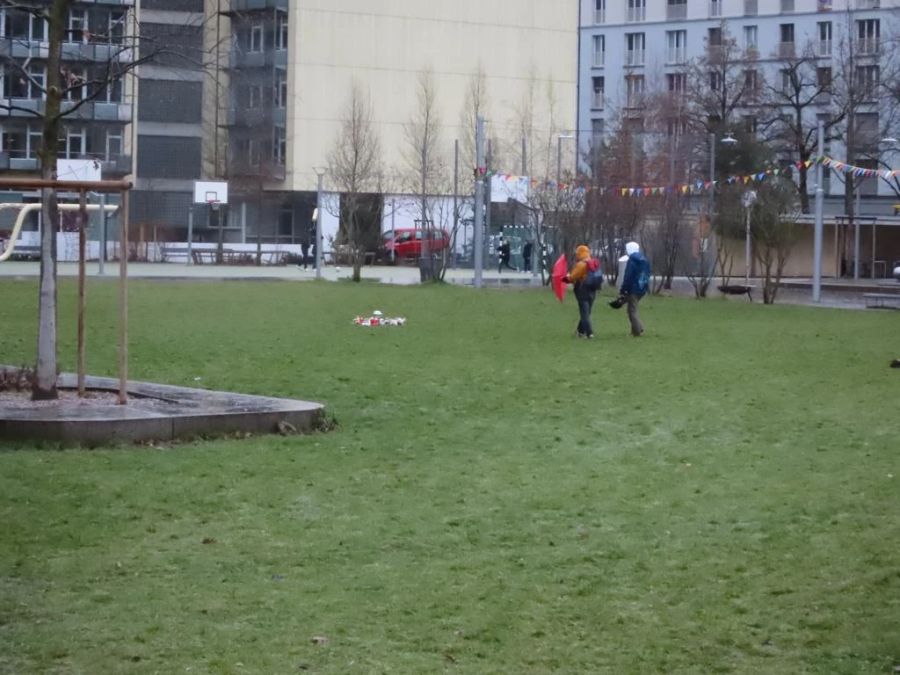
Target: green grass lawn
[721, 495]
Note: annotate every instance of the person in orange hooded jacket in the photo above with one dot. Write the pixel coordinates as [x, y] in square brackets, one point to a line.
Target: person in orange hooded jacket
[584, 295]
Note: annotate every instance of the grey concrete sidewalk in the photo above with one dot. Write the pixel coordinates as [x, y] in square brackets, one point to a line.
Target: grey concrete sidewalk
[844, 293]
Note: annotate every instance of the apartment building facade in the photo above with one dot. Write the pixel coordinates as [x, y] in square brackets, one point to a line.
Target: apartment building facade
[631, 47]
[94, 41]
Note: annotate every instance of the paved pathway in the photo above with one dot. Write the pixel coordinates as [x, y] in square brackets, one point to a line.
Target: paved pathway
[835, 293]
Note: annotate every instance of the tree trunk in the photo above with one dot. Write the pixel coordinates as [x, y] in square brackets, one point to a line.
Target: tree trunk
[44, 386]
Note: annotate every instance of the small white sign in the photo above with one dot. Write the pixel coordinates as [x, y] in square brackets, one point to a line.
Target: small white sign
[78, 169]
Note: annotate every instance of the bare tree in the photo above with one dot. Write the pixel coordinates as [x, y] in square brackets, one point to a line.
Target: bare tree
[774, 230]
[64, 90]
[792, 103]
[425, 161]
[354, 167]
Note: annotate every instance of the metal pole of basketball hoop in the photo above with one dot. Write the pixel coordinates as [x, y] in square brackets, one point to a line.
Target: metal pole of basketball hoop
[320, 174]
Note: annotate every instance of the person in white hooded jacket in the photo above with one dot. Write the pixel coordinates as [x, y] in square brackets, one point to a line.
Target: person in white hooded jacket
[634, 284]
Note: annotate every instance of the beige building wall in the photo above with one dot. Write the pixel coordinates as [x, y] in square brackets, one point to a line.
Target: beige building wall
[527, 50]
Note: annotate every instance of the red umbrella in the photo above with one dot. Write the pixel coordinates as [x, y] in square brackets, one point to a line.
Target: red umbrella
[560, 268]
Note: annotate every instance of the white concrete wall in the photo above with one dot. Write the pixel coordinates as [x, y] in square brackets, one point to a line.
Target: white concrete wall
[525, 48]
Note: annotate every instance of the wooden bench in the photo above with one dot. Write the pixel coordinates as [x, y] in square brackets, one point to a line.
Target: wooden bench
[737, 289]
[882, 300]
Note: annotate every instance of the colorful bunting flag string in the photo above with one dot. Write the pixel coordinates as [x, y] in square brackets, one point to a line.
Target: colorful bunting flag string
[699, 186]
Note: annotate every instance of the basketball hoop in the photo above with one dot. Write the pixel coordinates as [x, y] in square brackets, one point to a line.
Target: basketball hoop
[214, 204]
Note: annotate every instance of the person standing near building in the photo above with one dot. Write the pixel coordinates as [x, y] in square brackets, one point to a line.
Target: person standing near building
[504, 256]
[526, 256]
[634, 286]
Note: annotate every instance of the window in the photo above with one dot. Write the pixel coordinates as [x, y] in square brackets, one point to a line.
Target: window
[599, 50]
[634, 46]
[868, 31]
[24, 26]
[867, 78]
[868, 187]
[600, 11]
[714, 37]
[786, 46]
[751, 8]
[35, 139]
[116, 27]
[676, 44]
[823, 46]
[787, 6]
[787, 81]
[254, 96]
[823, 6]
[256, 37]
[637, 10]
[37, 81]
[254, 152]
[113, 144]
[751, 82]
[78, 26]
[751, 39]
[715, 8]
[750, 124]
[279, 146]
[676, 9]
[599, 85]
[676, 126]
[676, 83]
[74, 146]
[598, 128]
[281, 31]
[823, 78]
[715, 80]
[280, 88]
[75, 84]
[634, 90]
[112, 92]
[15, 143]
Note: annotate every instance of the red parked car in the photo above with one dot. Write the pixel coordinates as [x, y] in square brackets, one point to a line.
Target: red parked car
[407, 242]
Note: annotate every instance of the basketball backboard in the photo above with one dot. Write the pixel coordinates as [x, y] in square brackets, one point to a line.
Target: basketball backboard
[210, 192]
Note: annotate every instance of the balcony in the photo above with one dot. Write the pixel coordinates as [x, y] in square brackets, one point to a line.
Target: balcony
[97, 111]
[715, 9]
[823, 48]
[676, 12]
[256, 5]
[868, 4]
[787, 6]
[676, 55]
[99, 52]
[116, 165]
[823, 6]
[787, 50]
[265, 116]
[597, 100]
[599, 16]
[634, 57]
[867, 46]
[598, 60]
[19, 48]
[29, 108]
[751, 7]
[636, 14]
[242, 167]
[270, 57]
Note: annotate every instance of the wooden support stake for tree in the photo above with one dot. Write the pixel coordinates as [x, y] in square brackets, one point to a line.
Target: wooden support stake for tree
[123, 298]
[82, 235]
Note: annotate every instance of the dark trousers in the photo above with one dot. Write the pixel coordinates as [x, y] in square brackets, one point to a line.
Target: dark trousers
[636, 326]
[585, 304]
[304, 249]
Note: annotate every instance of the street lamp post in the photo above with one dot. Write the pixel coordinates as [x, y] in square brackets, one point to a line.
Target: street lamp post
[820, 206]
[748, 199]
[704, 241]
